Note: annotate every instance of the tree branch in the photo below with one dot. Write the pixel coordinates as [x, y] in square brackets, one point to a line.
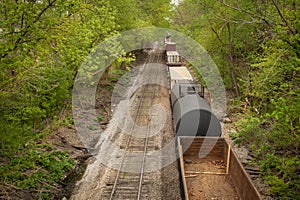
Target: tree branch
[18, 41]
[292, 31]
[247, 12]
[217, 35]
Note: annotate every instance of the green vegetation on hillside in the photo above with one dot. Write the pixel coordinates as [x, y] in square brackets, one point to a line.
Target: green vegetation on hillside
[42, 45]
[256, 46]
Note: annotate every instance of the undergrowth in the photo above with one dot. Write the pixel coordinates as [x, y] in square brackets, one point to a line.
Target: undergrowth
[28, 164]
[276, 151]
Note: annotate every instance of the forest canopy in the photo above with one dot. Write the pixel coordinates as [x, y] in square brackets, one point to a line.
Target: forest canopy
[255, 44]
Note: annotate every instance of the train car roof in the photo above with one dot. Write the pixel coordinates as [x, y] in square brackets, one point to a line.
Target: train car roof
[169, 53]
[170, 42]
[180, 73]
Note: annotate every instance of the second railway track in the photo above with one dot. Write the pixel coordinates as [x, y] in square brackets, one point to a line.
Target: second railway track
[131, 181]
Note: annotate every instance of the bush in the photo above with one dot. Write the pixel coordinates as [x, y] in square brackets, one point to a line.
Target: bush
[275, 149]
[36, 168]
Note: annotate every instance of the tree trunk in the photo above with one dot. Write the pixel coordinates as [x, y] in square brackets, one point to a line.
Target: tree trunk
[230, 58]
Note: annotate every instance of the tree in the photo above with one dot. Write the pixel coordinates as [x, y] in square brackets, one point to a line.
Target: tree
[256, 46]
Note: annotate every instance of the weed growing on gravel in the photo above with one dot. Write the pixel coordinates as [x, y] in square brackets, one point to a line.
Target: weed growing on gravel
[100, 118]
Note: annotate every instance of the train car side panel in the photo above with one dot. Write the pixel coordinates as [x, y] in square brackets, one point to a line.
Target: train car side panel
[220, 150]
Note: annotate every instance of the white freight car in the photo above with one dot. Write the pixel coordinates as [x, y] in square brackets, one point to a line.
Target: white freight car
[178, 74]
[173, 58]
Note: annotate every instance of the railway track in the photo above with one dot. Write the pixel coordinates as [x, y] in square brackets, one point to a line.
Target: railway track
[123, 184]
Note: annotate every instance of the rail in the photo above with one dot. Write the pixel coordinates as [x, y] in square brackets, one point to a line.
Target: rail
[131, 135]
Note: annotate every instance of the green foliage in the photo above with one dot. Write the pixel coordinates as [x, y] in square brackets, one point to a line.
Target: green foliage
[40, 167]
[48, 42]
[11, 140]
[256, 46]
[67, 121]
[276, 150]
[253, 131]
[42, 46]
[28, 165]
[281, 174]
[31, 166]
[92, 127]
[156, 12]
[129, 15]
[100, 118]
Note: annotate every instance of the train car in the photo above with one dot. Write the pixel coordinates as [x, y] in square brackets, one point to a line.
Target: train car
[217, 174]
[178, 74]
[209, 168]
[170, 46]
[173, 58]
[191, 113]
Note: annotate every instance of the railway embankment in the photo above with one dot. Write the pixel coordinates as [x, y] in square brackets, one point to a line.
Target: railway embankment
[130, 171]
